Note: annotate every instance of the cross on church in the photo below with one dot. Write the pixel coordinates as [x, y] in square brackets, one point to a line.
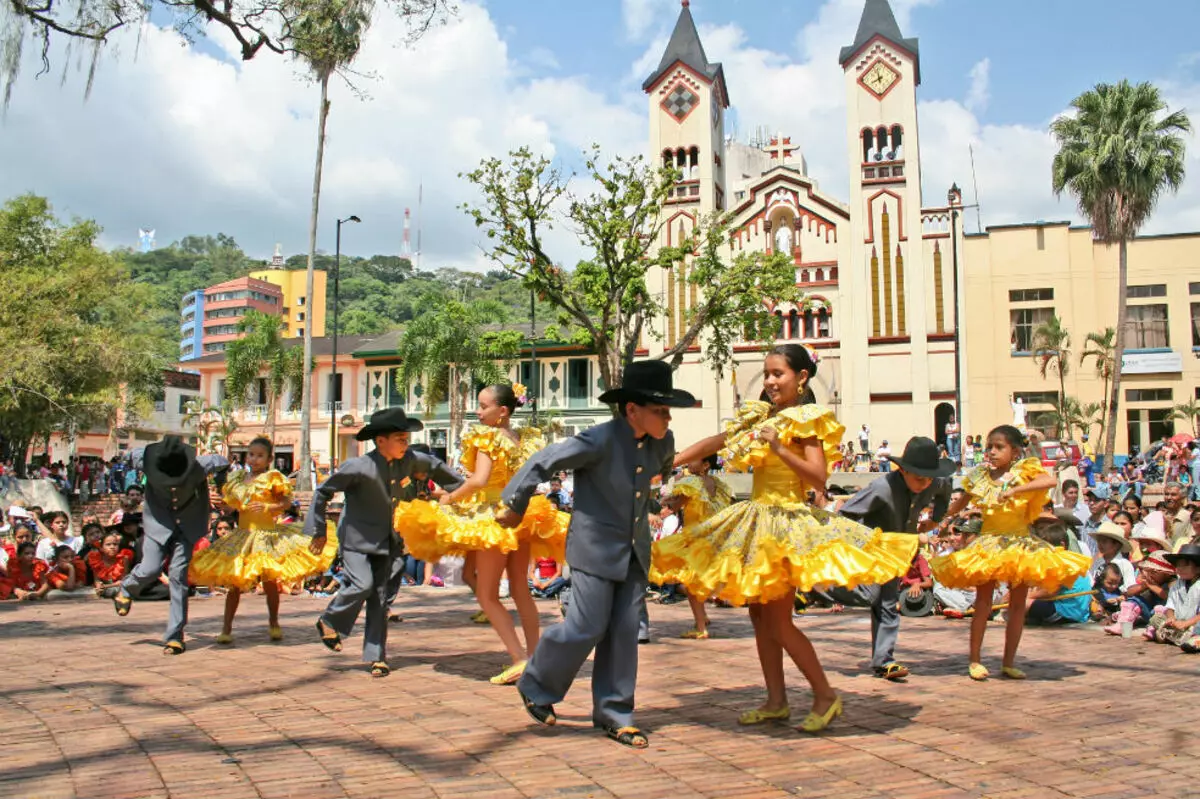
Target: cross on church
[781, 148]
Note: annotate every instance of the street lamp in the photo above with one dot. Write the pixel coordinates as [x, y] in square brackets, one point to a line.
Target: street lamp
[333, 381]
[954, 200]
[533, 364]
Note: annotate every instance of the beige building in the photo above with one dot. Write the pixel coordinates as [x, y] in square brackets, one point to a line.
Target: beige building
[295, 310]
[1017, 276]
[875, 268]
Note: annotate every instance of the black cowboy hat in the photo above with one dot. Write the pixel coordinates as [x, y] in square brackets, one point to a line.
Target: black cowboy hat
[921, 458]
[389, 420]
[1186, 552]
[168, 462]
[649, 383]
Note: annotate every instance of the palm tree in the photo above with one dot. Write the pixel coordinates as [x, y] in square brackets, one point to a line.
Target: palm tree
[1189, 411]
[326, 35]
[1052, 348]
[214, 426]
[1087, 416]
[1100, 346]
[260, 349]
[1118, 153]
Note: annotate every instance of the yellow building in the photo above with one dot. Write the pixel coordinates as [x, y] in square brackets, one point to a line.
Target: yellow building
[296, 313]
[1017, 276]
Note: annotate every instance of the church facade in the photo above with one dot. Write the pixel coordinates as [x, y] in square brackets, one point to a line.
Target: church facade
[876, 267]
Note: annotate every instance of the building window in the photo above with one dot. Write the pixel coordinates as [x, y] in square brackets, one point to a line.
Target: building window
[578, 382]
[1148, 395]
[1024, 321]
[793, 325]
[184, 399]
[220, 391]
[1145, 292]
[300, 316]
[1196, 324]
[823, 328]
[1193, 288]
[1036, 397]
[1146, 327]
[260, 391]
[395, 395]
[1030, 295]
[1041, 238]
[335, 387]
[300, 301]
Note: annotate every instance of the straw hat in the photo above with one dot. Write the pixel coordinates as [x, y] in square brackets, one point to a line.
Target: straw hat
[1153, 528]
[1157, 561]
[1110, 530]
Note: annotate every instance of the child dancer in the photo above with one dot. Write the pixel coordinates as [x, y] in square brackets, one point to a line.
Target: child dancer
[1011, 491]
[261, 551]
[762, 551]
[698, 497]
[108, 565]
[466, 523]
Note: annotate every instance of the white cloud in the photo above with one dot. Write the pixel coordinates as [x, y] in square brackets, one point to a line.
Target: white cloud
[978, 94]
[639, 16]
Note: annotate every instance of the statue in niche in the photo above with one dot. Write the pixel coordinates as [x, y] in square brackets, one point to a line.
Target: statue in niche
[783, 239]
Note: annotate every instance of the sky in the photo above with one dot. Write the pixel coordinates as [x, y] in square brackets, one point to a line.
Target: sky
[189, 140]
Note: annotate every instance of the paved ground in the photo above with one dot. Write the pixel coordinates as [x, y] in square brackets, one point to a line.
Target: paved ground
[92, 709]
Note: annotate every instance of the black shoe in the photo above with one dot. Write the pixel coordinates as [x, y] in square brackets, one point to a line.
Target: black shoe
[542, 714]
[645, 640]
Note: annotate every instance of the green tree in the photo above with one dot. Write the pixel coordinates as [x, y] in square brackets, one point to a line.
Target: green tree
[214, 425]
[261, 349]
[79, 340]
[1190, 412]
[1100, 347]
[453, 348]
[606, 303]
[1119, 151]
[1052, 351]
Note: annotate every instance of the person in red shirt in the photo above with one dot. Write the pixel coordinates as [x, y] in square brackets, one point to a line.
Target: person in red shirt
[26, 575]
[108, 565]
[916, 589]
[67, 573]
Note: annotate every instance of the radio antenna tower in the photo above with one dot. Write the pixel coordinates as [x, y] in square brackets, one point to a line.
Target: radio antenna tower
[406, 248]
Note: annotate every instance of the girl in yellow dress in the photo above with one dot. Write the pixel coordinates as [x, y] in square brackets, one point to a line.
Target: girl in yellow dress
[696, 498]
[260, 550]
[760, 552]
[1011, 491]
[466, 524]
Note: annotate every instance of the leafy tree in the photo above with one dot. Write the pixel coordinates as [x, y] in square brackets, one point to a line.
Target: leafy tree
[1100, 346]
[260, 349]
[214, 425]
[450, 350]
[1189, 411]
[606, 302]
[79, 340]
[1052, 350]
[1119, 152]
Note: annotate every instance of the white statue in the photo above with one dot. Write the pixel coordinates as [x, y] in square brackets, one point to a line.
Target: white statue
[783, 239]
[1019, 414]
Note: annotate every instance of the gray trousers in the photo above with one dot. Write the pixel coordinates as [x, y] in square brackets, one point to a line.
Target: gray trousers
[885, 620]
[369, 576]
[603, 615]
[178, 554]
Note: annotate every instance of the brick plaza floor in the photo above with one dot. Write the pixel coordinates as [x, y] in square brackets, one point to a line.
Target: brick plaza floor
[91, 709]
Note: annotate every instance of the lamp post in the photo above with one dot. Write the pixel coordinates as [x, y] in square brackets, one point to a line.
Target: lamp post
[533, 364]
[333, 380]
[954, 200]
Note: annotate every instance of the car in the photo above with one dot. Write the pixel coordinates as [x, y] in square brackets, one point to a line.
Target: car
[1057, 453]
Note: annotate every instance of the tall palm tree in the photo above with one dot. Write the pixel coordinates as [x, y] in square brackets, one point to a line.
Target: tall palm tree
[1189, 411]
[1119, 151]
[1052, 349]
[1101, 346]
[326, 35]
[261, 349]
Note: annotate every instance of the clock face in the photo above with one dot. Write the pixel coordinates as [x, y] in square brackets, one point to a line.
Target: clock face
[879, 78]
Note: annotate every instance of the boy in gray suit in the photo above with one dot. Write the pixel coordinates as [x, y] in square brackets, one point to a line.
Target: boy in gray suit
[608, 548]
[372, 484]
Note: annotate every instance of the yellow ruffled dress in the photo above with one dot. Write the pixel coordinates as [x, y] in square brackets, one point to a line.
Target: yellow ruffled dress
[698, 506]
[260, 550]
[1005, 550]
[431, 531]
[758, 550]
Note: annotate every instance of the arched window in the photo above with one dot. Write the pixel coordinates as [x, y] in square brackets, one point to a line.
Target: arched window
[823, 329]
[681, 161]
[668, 159]
[897, 143]
[809, 327]
[793, 326]
[693, 164]
[781, 330]
[881, 143]
[868, 143]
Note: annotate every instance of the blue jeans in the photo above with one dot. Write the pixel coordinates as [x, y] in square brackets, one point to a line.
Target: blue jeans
[952, 448]
[550, 591]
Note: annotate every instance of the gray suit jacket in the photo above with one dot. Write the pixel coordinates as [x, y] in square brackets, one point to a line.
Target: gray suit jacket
[370, 484]
[185, 507]
[612, 494]
[887, 503]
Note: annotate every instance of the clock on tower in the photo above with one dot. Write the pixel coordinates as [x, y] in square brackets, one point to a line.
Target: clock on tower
[879, 78]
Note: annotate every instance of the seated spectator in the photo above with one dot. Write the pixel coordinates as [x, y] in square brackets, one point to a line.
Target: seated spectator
[545, 578]
[1151, 535]
[916, 598]
[1108, 598]
[1071, 604]
[66, 576]
[1111, 549]
[1175, 623]
[108, 565]
[1155, 575]
[956, 602]
[59, 527]
[93, 535]
[223, 526]
[26, 575]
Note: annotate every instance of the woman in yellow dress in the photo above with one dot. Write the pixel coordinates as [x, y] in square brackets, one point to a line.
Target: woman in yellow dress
[260, 550]
[760, 552]
[1011, 490]
[696, 498]
[466, 523]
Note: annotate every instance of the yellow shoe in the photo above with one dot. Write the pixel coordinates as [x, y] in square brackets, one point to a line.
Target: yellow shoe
[978, 672]
[479, 617]
[510, 675]
[1012, 672]
[761, 716]
[814, 723]
[224, 638]
[696, 635]
[275, 633]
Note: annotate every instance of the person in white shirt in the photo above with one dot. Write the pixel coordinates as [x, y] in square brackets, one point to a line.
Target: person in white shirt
[1178, 622]
[1113, 548]
[60, 533]
[864, 440]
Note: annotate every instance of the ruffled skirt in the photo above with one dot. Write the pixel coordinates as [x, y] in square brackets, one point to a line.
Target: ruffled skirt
[245, 558]
[431, 531]
[1012, 559]
[754, 552]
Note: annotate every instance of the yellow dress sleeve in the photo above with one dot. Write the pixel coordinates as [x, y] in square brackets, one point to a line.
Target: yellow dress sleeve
[739, 434]
[1027, 469]
[743, 450]
[235, 493]
[489, 440]
[274, 487]
[972, 479]
[690, 488]
[531, 439]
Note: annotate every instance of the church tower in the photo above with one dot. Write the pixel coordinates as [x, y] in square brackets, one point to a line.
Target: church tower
[885, 344]
[687, 99]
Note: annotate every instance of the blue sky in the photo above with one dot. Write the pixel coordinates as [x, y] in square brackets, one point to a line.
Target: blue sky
[189, 140]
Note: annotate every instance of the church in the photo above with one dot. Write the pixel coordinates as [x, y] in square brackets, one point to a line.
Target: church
[877, 268]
